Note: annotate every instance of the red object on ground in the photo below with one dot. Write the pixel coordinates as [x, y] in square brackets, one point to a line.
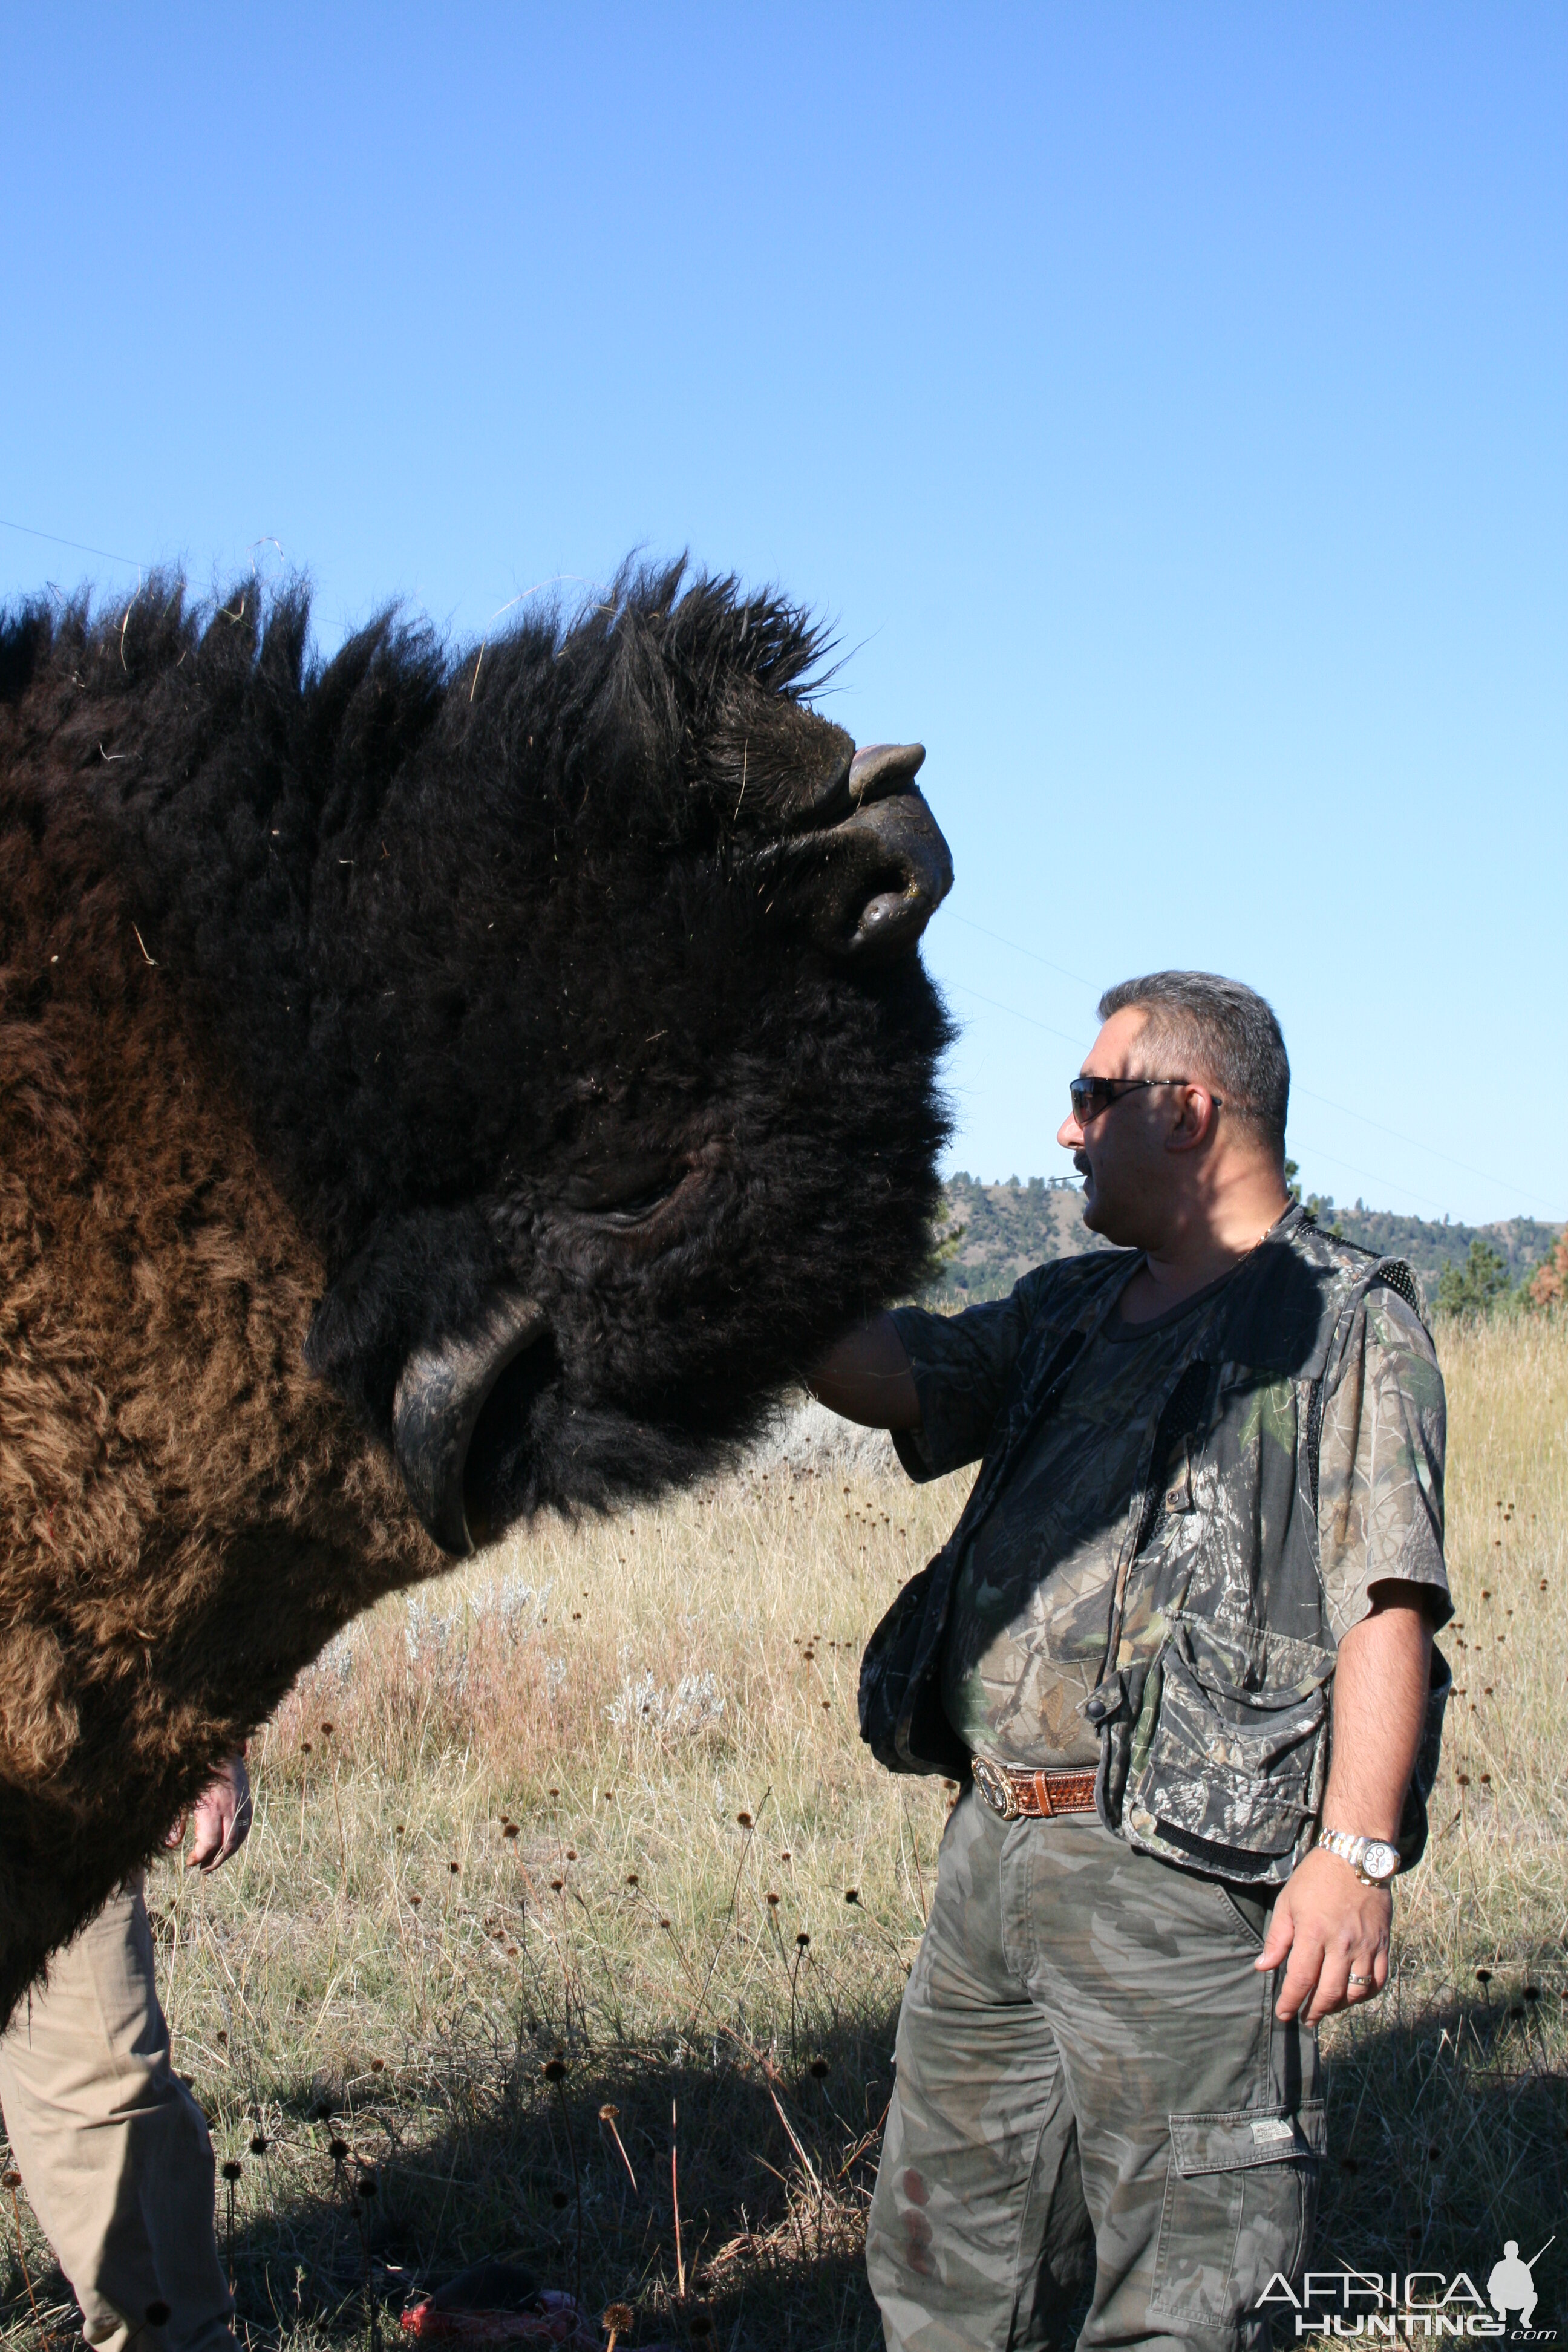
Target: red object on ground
[558, 2321]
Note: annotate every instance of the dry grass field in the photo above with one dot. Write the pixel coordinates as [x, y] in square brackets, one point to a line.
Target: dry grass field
[599, 1801]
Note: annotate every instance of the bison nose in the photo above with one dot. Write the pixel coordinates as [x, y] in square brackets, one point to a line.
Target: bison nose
[883, 872]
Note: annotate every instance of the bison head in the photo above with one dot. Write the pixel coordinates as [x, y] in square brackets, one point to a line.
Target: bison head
[573, 985]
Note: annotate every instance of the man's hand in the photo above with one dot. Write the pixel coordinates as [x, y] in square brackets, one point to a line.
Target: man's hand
[220, 1818]
[1333, 1928]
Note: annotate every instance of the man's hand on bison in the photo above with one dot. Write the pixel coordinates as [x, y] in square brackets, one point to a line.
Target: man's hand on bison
[220, 1819]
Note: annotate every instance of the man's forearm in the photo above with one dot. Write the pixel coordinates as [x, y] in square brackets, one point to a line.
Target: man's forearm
[866, 1376]
[1331, 1929]
[1381, 1677]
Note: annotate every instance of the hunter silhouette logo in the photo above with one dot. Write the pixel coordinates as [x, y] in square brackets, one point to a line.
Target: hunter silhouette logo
[1511, 2286]
[1384, 2306]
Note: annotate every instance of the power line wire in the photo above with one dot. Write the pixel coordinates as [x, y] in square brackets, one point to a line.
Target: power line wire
[79, 545]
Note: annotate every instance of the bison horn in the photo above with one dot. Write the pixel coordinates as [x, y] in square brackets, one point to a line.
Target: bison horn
[441, 1391]
[877, 769]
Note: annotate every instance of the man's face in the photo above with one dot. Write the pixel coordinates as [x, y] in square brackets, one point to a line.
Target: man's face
[1122, 1155]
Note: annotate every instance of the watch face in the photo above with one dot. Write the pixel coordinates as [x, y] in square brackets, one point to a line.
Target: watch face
[1380, 1860]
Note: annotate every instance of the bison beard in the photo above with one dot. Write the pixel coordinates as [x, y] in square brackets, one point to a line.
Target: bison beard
[432, 1089]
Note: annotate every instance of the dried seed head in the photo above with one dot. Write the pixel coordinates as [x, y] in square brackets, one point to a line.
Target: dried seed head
[619, 2318]
[852, 1894]
[1483, 1975]
[232, 2168]
[571, 1854]
[744, 1819]
[510, 1831]
[803, 1939]
[772, 1899]
[11, 2178]
[378, 2065]
[304, 1748]
[416, 1900]
[1532, 1993]
[369, 2186]
[326, 1730]
[398, 1830]
[556, 1884]
[560, 2200]
[552, 1792]
[818, 2067]
[554, 2070]
[222, 2039]
[609, 2115]
[337, 2149]
[699, 2324]
[258, 2143]
[631, 1879]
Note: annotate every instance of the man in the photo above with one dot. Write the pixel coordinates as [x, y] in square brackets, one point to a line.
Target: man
[1207, 1527]
[112, 2150]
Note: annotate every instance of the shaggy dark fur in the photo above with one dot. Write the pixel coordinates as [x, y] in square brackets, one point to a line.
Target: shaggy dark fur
[370, 1031]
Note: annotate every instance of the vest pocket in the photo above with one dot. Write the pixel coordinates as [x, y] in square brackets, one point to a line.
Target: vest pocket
[1229, 1765]
[1240, 2190]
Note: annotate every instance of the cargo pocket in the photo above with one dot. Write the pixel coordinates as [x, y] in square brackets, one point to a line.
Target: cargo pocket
[1229, 1767]
[1241, 2192]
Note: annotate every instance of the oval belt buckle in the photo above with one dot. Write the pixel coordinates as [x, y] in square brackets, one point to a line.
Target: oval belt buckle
[995, 1788]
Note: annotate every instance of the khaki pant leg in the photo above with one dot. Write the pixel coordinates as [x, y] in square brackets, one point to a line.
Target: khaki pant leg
[978, 2239]
[113, 2148]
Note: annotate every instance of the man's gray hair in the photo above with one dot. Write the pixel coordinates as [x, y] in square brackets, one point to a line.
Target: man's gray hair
[1219, 1030]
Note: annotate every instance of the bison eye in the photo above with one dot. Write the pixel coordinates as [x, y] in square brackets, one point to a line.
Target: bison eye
[633, 1210]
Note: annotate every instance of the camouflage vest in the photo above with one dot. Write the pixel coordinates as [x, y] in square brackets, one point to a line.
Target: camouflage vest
[1214, 1700]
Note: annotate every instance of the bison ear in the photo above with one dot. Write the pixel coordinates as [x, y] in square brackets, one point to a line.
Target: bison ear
[416, 1333]
[441, 1391]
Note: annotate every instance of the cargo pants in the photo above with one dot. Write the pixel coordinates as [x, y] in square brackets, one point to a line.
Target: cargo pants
[1092, 2089]
[113, 2151]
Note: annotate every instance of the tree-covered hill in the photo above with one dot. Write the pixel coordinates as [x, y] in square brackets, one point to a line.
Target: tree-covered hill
[994, 1233]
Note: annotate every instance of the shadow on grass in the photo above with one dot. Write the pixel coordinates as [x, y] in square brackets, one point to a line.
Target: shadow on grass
[1448, 2134]
[773, 2169]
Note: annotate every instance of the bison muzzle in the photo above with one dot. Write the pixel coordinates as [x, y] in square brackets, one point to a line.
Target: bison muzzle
[435, 1087]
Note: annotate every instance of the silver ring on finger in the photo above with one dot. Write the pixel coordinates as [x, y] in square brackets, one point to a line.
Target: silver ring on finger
[1362, 1982]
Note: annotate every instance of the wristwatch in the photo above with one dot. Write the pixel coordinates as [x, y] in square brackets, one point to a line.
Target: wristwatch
[1373, 1861]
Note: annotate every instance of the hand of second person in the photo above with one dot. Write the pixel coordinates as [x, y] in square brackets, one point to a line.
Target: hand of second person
[220, 1818]
[1334, 1931]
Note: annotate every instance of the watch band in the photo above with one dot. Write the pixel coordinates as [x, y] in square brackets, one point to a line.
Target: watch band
[1375, 1860]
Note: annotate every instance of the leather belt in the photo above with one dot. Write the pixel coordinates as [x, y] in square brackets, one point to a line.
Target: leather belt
[1032, 1796]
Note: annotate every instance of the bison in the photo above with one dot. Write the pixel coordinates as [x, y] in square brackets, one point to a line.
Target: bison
[433, 1086]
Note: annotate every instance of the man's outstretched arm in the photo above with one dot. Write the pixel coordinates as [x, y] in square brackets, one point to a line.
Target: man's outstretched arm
[866, 1376]
[1328, 1924]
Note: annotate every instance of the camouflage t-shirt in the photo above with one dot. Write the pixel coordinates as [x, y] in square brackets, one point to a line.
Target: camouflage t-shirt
[1030, 1613]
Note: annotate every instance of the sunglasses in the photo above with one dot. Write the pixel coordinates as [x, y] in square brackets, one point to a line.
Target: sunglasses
[1090, 1097]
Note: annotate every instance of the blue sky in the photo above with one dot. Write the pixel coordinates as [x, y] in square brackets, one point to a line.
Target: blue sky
[1166, 404]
